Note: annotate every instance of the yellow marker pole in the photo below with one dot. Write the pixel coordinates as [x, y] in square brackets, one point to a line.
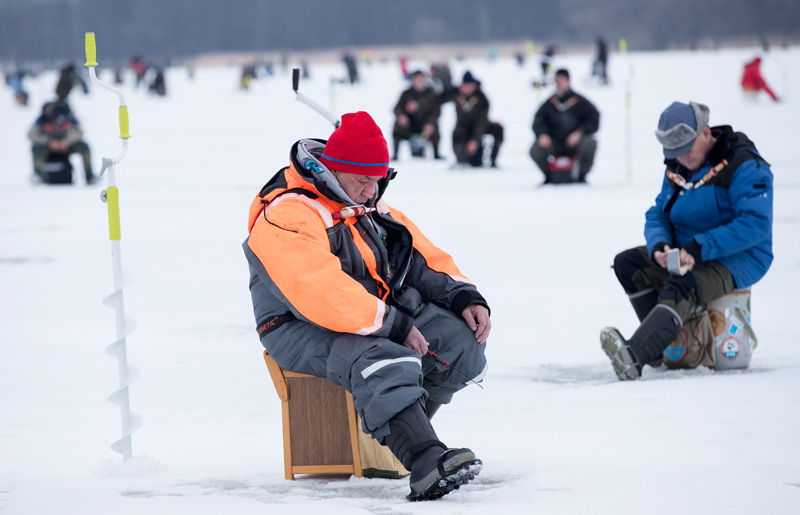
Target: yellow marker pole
[125, 326]
[623, 48]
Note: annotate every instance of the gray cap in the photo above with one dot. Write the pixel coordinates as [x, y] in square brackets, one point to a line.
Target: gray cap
[679, 126]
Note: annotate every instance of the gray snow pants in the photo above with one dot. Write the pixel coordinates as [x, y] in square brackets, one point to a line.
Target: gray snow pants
[383, 376]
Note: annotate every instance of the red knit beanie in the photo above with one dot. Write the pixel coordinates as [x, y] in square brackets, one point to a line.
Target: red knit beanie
[357, 146]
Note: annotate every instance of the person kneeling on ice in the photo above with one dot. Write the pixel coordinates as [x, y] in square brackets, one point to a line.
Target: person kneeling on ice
[55, 136]
[417, 121]
[347, 288]
[714, 213]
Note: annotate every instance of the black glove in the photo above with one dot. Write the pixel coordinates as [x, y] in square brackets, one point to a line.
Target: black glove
[658, 248]
[695, 250]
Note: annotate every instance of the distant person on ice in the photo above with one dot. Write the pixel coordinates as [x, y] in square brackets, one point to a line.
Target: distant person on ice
[347, 288]
[56, 135]
[546, 63]
[563, 126]
[600, 65]
[753, 81]
[68, 78]
[417, 121]
[472, 122]
[159, 84]
[715, 206]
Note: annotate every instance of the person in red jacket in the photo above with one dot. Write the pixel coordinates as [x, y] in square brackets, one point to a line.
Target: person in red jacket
[753, 82]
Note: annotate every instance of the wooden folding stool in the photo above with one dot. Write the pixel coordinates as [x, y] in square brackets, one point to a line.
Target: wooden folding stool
[322, 431]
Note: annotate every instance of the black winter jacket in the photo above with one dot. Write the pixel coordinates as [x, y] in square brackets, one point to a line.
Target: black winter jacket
[560, 116]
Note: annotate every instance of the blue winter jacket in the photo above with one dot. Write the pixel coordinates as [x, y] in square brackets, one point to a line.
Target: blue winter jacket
[730, 216]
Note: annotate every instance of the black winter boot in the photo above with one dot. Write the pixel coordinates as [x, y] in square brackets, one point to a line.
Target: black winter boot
[643, 302]
[656, 332]
[431, 407]
[435, 470]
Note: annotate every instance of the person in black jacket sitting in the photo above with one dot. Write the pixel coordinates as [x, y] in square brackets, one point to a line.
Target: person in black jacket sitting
[563, 126]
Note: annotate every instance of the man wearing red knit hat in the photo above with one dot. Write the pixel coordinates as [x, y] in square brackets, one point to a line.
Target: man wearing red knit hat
[355, 293]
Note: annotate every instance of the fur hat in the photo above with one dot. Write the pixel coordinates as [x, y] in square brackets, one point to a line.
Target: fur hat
[357, 146]
[679, 126]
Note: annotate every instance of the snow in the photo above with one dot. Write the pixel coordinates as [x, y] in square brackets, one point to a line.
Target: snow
[556, 431]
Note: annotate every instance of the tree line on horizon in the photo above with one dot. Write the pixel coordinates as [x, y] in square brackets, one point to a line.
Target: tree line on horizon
[52, 30]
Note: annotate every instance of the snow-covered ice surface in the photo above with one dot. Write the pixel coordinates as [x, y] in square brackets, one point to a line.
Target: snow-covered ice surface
[556, 431]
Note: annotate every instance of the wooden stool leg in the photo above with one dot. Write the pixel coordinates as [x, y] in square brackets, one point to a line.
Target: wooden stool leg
[352, 419]
[283, 394]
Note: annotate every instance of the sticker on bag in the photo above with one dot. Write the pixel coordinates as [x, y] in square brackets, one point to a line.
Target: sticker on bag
[677, 350]
[730, 348]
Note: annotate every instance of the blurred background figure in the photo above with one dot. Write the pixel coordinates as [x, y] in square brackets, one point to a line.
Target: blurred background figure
[600, 61]
[350, 63]
[118, 74]
[563, 125]
[441, 77]
[159, 84]
[14, 81]
[248, 75]
[56, 135]
[472, 123]
[546, 63]
[69, 77]
[753, 81]
[139, 68]
[417, 113]
[404, 65]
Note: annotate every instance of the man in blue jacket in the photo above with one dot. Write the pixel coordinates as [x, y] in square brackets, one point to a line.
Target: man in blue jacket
[715, 212]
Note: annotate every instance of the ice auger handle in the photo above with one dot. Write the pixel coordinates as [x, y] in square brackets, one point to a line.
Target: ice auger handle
[112, 197]
[123, 123]
[91, 49]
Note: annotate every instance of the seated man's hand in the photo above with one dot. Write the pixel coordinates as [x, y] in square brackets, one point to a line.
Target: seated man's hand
[472, 147]
[402, 120]
[412, 106]
[428, 129]
[544, 141]
[58, 145]
[574, 138]
[477, 318]
[660, 256]
[686, 258]
[416, 342]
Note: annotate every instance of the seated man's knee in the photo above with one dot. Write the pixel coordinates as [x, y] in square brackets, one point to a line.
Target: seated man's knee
[81, 147]
[626, 264]
[587, 146]
[539, 154]
[497, 131]
[401, 135]
[355, 359]
[679, 291]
